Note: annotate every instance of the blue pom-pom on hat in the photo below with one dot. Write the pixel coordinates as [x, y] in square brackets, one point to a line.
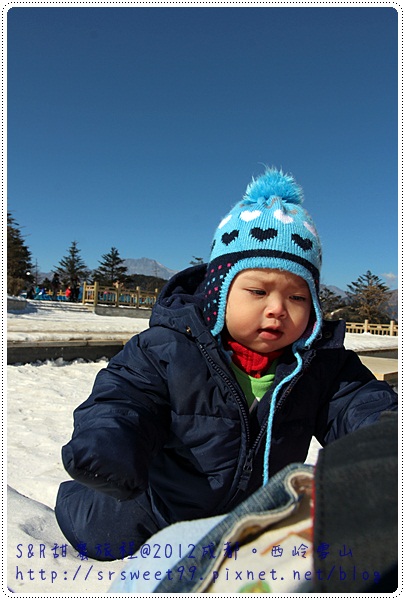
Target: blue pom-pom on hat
[274, 183]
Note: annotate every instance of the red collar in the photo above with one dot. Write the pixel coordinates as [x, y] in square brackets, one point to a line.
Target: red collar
[253, 363]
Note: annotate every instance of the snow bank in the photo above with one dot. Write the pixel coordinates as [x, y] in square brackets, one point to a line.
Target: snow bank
[61, 321]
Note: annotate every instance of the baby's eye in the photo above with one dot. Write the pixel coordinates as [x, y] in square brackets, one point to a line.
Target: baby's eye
[298, 298]
[257, 292]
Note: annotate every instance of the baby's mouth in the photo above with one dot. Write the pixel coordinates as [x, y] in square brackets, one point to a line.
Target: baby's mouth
[269, 333]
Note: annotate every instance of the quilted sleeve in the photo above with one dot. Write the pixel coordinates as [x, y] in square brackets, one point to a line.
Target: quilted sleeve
[355, 399]
[122, 425]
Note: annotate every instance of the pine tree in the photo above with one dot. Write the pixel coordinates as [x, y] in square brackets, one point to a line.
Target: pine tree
[19, 264]
[368, 297]
[329, 301]
[71, 267]
[111, 269]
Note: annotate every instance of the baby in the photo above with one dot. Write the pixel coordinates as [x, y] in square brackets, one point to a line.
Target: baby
[234, 376]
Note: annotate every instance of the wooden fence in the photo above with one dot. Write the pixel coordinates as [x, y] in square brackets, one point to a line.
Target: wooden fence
[366, 327]
[118, 296]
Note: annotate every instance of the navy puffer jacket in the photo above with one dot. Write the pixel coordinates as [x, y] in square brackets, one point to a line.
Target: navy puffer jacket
[168, 416]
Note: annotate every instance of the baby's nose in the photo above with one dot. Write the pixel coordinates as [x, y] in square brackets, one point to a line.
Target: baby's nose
[275, 306]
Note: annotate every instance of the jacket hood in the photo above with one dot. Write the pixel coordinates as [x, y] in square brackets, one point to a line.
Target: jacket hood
[180, 303]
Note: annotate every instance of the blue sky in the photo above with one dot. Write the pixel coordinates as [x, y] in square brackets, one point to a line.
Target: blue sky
[140, 128]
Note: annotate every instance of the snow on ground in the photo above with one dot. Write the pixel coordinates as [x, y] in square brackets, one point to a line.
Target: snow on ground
[41, 398]
[367, 341]
[61, 321]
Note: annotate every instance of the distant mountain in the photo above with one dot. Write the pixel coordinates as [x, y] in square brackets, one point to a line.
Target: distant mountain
[334, 289]
[147, 266]
[135, 266]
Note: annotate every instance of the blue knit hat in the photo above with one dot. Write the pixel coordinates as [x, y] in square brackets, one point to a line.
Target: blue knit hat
[268, 229]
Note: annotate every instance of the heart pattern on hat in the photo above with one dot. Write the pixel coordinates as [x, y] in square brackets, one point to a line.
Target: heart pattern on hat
[224, 221]
[304, 243]
[310, 228]
[227, 238]
[280, 215]
[250, 215]
[263, 234]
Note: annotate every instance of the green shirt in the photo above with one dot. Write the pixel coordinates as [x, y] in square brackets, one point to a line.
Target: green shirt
[254, 388]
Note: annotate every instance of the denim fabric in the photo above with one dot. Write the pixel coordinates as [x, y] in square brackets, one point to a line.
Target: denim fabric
[270, 504]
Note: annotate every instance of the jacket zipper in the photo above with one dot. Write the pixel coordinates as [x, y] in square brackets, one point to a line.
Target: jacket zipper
[248, 466]
[232, 387]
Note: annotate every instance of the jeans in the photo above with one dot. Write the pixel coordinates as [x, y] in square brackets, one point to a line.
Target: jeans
[268, 505]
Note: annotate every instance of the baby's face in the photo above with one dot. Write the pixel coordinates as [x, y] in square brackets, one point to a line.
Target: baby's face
[267, 309]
